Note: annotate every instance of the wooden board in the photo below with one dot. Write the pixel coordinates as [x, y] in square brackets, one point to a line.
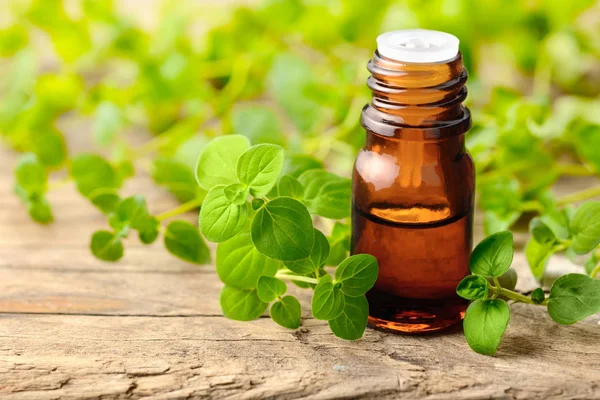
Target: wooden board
[72, 327]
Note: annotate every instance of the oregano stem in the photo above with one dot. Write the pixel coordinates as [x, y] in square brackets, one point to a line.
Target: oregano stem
[185, 207]
[574, 170]
[500, 291]
[579, 196]
[57, 184]
[282, 274]
[595, 271]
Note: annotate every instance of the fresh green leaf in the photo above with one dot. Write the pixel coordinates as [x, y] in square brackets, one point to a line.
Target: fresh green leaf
[148, 230]
[241, 305]
[237, 193]
[259, 167]
[258, 123]
[587, 143]
[574, 297]
[289, 186]
[485, 323]
[106, 246]
[39, 210]
[296, 164]
[357, 274]
[105, 199]
[31, 175]
[177, 177]
[591, 263]
[183, 240]
[493, 255]
[220, 219]
[339, 243]
[50, 148]
[508, 280]
[107, 122]
[473, 287]
[92, 172]
[328, 299]
[538, 296]
[351, 323]
[585, 227]
[537, 256]
[326, 194]
[257, 203]
[239, 264]
[282, 229]
[316, 259]
[218, 159]
[270, 288]
[541, 232]
[287, 312]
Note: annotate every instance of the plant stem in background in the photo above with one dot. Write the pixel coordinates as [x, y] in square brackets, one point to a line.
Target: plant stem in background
[579, 196]
[185, 207]
[283, 274]
[595, 271]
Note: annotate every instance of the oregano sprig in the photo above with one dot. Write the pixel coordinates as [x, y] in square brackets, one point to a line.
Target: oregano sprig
[572, 297]
[262, 222]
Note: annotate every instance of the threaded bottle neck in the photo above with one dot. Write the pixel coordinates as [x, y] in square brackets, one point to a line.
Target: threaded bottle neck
[418, 101]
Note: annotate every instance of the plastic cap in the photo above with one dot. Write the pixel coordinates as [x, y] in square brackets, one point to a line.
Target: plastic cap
[418, 46]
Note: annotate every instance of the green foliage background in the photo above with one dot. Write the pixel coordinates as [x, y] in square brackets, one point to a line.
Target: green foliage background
[292, 73]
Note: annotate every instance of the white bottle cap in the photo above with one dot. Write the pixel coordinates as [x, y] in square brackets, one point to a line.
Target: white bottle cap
[418, 46]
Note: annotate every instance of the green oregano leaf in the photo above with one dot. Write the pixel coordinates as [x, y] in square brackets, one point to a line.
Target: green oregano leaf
[282, 229]
[92, 172]
[316, 259]
[107, 122]
[574, 297]
[290, 187]
[339, 243]
[351, 323]
[485, 323]
[40, 211]
[538, 296]
[473, 287]
[493, 255]
[257, 203]
[585, 227]
[183, 240]
[537, 256]
[240, 264]
[220, 219]
[31, 175]
[217, 161]
[287, 312]
[241, 305]
[270, 288]
[541, 232]
[106, 246]
[591, 263]
[259, 167]
[237, 193]
[328, 299]
[105, 199]
[357, 274]
[326, 194]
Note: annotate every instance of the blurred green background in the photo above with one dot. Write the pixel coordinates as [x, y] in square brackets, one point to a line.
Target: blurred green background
[291, 72]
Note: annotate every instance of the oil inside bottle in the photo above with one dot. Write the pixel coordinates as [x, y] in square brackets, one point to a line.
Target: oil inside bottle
[420, 265]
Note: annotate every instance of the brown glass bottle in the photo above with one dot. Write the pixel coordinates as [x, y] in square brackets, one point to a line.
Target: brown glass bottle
[413, 193]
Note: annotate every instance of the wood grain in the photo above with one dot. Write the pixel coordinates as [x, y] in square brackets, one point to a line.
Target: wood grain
[72, 327]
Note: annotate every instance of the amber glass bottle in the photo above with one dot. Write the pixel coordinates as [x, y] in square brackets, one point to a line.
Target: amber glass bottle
[413, 192]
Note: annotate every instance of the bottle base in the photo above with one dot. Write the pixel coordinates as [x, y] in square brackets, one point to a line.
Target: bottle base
[414, 316]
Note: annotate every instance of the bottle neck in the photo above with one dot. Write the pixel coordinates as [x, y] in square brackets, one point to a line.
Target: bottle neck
[417, 101]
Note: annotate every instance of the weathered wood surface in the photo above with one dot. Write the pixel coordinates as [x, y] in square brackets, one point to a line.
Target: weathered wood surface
[72, 327]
